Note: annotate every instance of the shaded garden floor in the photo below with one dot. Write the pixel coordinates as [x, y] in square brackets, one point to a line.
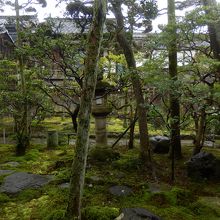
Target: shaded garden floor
[182, 200]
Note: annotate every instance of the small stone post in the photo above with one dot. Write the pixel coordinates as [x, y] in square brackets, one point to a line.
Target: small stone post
[52, 139]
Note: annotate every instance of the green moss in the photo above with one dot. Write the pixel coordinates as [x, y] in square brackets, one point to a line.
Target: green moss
[63, 175]
[115, 125]
[4, 198]
[181, 197]
[32, 154]
[209, 205]
[6, 151]
[172, 212]
[160, 200]
[127, 164]
[176, 197]
[28, 194]
[139, 199]
[100, 213]
[55, 215]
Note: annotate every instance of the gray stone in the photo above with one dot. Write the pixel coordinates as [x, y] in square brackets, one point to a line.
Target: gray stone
[203, 166]
[120, 190]
[160, 144]
[6, 172]
[136, 214]
[19, 181]
[64, 185]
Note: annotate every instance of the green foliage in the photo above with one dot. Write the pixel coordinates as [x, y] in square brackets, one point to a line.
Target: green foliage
[99, 213]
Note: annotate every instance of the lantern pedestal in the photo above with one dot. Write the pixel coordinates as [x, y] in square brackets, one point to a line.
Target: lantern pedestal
[100, 110]
[100, 115]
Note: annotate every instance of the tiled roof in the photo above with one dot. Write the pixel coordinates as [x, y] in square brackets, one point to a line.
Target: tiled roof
[8, 23]
[64, 25]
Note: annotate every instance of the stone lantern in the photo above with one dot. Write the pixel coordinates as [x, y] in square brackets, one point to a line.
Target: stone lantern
[100, 110]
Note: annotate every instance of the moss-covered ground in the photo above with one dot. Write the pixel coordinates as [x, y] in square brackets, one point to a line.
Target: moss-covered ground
[181, 200]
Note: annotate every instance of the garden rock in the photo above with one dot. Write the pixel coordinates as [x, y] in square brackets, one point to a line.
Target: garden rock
[160, 144]
[120, 190]
[136, 214]
[203, 166]
[6, 172]
[19, 181]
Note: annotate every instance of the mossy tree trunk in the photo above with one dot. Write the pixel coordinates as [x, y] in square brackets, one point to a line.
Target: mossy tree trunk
[136, 83]
[200, 131]
[174, 96]
[74, 116]
[90, 77]
[214, 35]
[132, 127]
[213, 29]
[22, 119]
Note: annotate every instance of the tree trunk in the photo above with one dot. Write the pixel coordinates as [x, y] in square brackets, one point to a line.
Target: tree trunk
[174, 96]
[74, 117]
[213, 29]
[22, 134]
[23, 121]
[125, 123]
[200, 132]
[90, 78]
[214, 34]
[129, 56]
[131, 133]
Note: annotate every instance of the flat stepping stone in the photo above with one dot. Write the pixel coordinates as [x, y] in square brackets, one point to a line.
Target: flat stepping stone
[6, 172]
[19, 181]
[120, 190]
[137, 214]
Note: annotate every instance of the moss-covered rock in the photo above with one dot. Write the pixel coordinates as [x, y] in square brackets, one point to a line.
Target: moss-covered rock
[176, 197]
[103, 154]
